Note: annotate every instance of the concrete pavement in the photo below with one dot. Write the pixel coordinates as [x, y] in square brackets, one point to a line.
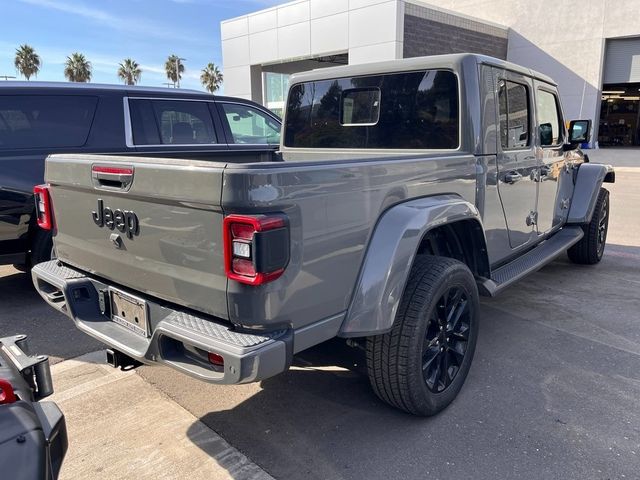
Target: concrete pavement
[120, 427]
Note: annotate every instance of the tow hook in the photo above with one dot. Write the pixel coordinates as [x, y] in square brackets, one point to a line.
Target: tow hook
[117, 359]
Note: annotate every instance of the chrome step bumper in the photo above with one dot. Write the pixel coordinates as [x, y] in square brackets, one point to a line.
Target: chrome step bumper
[178, 338]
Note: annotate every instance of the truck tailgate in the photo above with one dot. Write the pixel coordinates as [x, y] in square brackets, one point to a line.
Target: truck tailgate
[152, 224]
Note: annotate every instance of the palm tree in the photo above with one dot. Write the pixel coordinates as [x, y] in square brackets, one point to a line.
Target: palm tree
[170, 68]
[129, 72]
[211, 78]
[27, 61]
[77, 68]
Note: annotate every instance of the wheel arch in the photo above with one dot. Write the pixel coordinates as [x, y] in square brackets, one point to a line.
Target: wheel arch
[403, 232]
[588, 181]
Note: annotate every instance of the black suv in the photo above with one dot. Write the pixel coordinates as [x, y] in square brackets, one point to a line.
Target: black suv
[38, 119]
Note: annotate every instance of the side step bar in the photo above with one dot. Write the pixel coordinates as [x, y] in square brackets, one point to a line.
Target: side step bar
[531, 261]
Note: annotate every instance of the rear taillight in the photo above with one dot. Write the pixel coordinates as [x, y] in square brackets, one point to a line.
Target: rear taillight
[43, 206]
[256, 248]
[7, 395]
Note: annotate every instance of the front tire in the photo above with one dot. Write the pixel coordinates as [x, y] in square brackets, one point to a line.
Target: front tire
[589, 250]
[422, 363]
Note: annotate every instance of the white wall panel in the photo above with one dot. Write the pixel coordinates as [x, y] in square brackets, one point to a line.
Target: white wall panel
[262, 21]
[294, 13]
[374, 24]
[234, 28]
[294, 41]
[330, 34]
[263, 46]
[322, 8]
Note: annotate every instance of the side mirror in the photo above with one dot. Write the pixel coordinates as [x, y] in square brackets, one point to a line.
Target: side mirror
[546, 134]
[579, 131]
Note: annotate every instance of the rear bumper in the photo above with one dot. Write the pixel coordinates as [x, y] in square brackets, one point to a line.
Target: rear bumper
[178, 338]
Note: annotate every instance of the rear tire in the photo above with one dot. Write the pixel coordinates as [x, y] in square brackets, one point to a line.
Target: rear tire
[42, 247]
[589, 250]
[421, 364]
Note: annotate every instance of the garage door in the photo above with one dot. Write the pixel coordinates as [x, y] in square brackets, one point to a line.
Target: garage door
[622, 61]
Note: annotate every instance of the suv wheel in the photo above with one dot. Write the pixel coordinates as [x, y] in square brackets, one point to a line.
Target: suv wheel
[421, 364]
[42, 247]
[589, 249]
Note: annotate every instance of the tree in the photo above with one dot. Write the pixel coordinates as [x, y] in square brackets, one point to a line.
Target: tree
[27, 61]
[129, 72]
[211, 78]
[170, 68]
[77, 68]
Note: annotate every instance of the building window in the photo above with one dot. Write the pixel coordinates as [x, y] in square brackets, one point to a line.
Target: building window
[276, 86]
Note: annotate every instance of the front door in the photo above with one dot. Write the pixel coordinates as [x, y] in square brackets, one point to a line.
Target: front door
[517, 164]
[555, 182]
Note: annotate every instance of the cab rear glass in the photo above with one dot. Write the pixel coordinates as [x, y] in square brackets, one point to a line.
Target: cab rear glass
[51, 121]
[409, 110]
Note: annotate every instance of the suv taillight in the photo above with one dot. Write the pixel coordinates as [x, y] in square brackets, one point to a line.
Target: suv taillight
[256, 248]
[43, 206]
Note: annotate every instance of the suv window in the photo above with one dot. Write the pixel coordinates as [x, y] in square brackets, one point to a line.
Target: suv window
[514, 115]
[171, 122]
[410, 110]
[250, 125]
[549, 119]
[45, 121]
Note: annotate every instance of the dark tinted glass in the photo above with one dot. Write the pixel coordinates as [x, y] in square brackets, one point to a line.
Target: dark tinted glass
[45, 121]
[514, 115]
[171, 122]
[360, 106]
[415, 110]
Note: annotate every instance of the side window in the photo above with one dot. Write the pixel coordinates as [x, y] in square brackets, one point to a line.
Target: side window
[250, 125]
[45, 121]
[549, 119]
[171, 122]
[513, 101]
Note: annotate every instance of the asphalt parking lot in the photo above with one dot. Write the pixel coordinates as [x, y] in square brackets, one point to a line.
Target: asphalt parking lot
[554, 391]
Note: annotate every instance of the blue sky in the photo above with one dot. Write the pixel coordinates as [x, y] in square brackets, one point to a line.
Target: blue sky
[107, 31]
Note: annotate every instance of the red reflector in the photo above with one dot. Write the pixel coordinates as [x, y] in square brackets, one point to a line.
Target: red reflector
[243, 267]
[112, 170]
[43, 206]
[216, 359]
[7, 394]
[242, 230]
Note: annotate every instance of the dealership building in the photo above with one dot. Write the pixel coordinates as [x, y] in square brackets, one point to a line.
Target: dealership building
[590, 47]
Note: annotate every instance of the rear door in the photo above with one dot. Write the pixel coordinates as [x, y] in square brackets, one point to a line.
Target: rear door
[516, 160]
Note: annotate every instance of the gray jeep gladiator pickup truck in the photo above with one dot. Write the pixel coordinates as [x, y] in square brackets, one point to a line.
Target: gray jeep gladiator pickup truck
[402, 192]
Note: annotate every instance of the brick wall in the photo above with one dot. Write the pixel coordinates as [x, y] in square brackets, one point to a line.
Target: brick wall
[427, 36]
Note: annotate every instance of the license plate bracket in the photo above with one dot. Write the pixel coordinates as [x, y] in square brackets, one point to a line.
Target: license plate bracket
[129, 311]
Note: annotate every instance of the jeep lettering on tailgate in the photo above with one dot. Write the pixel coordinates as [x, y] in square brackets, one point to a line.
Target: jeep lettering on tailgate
[123, 220]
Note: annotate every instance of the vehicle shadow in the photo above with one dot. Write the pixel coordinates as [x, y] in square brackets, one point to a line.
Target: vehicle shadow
[538, 379]
[22, 311]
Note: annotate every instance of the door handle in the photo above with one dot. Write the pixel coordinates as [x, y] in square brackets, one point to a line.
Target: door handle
[512, 177]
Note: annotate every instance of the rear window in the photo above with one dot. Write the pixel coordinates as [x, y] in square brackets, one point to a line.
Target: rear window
[412, 110]
[171, 122]
[45, 121]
